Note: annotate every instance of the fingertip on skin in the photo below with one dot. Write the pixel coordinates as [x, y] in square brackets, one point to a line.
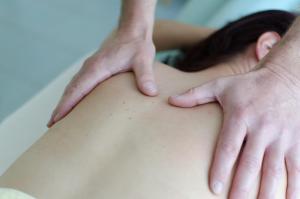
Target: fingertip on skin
[54, 118]
[173, 100]
[50, 123]
[149, 88]
[182, 101]
[51, 120]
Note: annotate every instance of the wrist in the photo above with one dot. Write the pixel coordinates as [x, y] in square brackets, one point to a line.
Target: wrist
[135, 31]
[137, 18]
[284, 62]
[276, 73]
[285, 57]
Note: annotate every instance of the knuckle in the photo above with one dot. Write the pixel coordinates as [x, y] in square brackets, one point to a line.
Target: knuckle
[229, 149]
[266, 120]
[239, 192]
[193, 91]
[94, 66]
[293, 160]
[242, 191]
[94, 69]
[243, 109]
[274, 171]
[90, 62]
[250, 163]
[269, 123]
[89, 68]
[296, 168]
[240, 112]
[71, 89]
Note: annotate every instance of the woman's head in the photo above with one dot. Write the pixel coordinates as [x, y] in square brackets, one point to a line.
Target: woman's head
[259, 31]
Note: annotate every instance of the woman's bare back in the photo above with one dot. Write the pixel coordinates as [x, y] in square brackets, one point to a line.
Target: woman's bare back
[120, 144]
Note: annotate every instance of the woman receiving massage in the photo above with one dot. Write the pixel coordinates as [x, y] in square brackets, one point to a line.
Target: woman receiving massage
[118, 143]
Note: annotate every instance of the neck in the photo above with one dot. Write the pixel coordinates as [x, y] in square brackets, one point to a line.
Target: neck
[237, 66]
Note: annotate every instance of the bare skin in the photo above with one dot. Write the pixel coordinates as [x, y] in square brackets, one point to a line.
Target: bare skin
[263, 107]
[119, 144]
[278, 74]
[129, 48]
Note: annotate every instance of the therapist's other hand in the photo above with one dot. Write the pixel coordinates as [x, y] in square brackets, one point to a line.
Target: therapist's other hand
[262, 108]
[119, 53]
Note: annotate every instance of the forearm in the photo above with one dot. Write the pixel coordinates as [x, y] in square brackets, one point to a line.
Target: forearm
[137, 18]
[284, 59]
[169, 35]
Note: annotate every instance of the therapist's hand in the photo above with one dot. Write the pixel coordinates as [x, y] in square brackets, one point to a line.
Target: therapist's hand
[261, 107]
[119, 53]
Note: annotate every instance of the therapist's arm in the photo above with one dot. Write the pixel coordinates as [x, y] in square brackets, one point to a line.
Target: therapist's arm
[170, 35]
[129, 48]
[263, 108]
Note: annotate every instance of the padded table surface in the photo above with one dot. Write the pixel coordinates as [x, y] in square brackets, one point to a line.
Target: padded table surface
[25, 126]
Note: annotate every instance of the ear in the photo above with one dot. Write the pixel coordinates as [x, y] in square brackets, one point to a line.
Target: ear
[265, 43]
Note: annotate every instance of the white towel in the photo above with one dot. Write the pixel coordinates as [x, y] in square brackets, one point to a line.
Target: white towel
[13, 194]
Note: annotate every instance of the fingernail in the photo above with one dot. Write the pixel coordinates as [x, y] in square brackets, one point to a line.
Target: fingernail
[49, 123]
[56, 117]
[217, 187]
[150, 86]
[177, 97]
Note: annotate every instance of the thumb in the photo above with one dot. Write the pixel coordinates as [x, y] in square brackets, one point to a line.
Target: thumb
[195, 96]
[145, 78]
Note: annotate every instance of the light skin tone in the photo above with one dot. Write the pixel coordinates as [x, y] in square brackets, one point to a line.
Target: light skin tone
[84, 158]
[255, 104]
[129, 48]
[261, 106]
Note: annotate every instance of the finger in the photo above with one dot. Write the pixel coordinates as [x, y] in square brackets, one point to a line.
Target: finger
[80, 86]
[195, 96]
[227, 150]
[248, 167]
[273, 169]
[293, 170]
[145, 77]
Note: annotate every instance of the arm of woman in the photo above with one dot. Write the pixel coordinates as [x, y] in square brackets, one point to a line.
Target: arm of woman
[169, 34]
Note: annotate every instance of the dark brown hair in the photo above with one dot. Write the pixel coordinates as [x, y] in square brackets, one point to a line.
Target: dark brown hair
[233, 38]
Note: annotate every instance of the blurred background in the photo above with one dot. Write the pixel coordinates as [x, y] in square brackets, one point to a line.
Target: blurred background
[39, 39]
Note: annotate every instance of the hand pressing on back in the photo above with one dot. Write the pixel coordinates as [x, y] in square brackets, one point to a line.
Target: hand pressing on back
[119, 53]
[262, 108]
